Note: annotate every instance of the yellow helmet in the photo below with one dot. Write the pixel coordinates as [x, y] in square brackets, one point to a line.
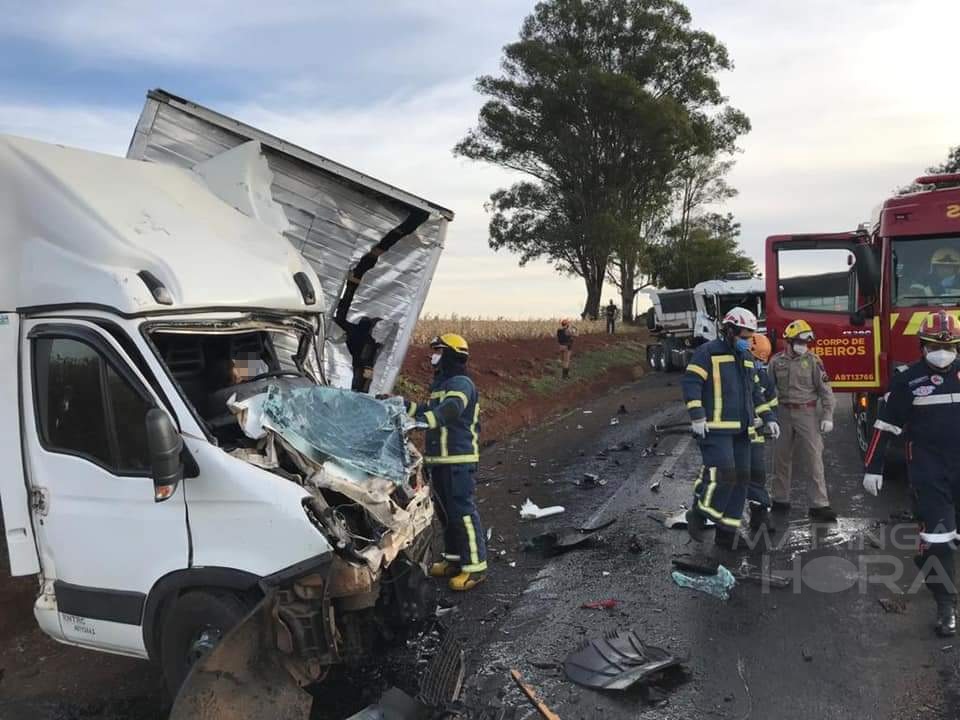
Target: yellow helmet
[451, 341]
[798, 330]
[945, 256]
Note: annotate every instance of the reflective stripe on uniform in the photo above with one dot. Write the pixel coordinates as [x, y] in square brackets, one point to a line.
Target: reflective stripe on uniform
[717, 361]
[412, 410]
[943, 537]
[451, 459]
[724, 424]
[773, 403]
[708, 496]
[763, 407]
[473, 429]
[431, 419]
[694, 404]
[458, 394]
[945, 399]
[887, 427]
[471, 539]
[437, 395]
[697, 370]
[748, 363]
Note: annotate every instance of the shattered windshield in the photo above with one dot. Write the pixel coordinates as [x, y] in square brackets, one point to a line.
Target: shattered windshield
[927, 271]
[352, 428]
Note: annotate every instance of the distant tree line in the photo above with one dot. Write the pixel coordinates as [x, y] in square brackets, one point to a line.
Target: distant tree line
[612, 111]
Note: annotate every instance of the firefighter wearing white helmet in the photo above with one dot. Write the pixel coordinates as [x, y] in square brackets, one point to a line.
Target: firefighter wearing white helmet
[724, 398]
[805, 413]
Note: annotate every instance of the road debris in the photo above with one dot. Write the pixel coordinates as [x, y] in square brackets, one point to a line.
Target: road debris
[897, 606]
[695, 564]
[592, 480]
[718, 585]
[562, 540]
[616, 662]
[622, 410]
[614, 421]
[635, 546]
[672, 521]
[807, 655]
[588, 412]
[655, 486]
[394, 705]
[531, 694]
[531, 511]
[608, 604]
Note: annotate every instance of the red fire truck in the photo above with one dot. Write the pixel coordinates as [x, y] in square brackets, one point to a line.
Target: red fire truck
[866, 292]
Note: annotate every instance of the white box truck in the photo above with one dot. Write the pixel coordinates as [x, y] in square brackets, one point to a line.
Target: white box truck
[175, 454]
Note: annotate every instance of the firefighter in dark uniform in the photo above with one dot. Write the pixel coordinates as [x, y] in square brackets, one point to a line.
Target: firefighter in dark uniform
[758, 498]
[923, 406]
[722, 391]
[452, 451]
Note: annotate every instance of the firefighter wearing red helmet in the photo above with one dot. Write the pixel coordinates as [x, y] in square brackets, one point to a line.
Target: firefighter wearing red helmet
[923, 406]
[724, 397]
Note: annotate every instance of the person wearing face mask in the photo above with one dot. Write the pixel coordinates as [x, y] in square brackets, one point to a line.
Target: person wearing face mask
[802, 384]
[724, 397]
[923, 406]
[451, 454]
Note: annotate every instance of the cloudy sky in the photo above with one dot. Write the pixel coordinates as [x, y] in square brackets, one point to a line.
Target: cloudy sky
[848, 100]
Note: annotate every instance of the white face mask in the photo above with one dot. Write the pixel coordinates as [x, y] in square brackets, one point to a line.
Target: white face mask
[435, 359]
[941, 358]
[800, 349]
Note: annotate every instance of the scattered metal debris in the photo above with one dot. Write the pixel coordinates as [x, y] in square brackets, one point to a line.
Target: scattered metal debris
[588, 412]
[531, 694]
[635, 546]
[531, 511]
[622, 410]
[614, 421]
[616, 662]
[672, 521]
[655, 486]
[696, 564]
[592, 480]
[608, 604]
[718, 585]
[897, 606]
[761, 578]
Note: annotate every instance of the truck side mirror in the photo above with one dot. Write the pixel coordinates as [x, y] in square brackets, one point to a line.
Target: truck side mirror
[165, 446]
[867, 269]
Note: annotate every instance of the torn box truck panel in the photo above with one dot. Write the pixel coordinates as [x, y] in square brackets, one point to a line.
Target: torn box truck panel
[374, 246]
[146, 310]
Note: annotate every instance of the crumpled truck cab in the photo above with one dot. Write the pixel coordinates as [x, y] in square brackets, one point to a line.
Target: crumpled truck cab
[175, 403]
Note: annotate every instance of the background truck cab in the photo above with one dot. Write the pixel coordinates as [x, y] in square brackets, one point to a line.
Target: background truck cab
[865, 293]
[164, 352]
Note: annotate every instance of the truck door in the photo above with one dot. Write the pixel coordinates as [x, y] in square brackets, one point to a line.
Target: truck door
[103, 540]
[811, 277]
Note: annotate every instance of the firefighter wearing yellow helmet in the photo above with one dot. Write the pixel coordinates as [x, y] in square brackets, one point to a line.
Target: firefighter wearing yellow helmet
[451, 454]
[944, 272]
[805, 413]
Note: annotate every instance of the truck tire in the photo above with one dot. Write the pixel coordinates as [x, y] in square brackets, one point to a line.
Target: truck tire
[863, 420]
[193, 625]
[652, 362]
[668, 348]
[651, 319]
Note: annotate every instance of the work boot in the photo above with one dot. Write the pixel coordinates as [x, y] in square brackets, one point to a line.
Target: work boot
[780, 507]
[444, 569]
[760, 518]
[946, 616]
[466, 581]
[823, 514]
[696, 524]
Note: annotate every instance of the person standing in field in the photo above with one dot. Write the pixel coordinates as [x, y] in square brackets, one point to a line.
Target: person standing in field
[565, 335]
[611, 313]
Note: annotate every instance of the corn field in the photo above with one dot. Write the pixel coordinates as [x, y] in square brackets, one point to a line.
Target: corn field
[429, 326]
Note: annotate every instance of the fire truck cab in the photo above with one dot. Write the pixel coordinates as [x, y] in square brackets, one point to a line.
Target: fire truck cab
[865, 293]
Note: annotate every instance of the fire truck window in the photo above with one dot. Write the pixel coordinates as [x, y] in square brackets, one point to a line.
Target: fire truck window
[817, 280]
[926, 271]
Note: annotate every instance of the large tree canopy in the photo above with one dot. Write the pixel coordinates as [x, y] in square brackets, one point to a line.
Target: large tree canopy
[598, 102]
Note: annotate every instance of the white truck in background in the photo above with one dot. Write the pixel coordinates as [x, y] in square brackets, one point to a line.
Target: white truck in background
[169, 332]
[681, 320]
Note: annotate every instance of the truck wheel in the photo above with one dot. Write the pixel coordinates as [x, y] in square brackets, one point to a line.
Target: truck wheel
[652, 356]
[651, 319]
[668, 365]
[194, 624]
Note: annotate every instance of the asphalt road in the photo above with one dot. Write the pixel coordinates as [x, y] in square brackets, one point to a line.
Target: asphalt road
[825, 647]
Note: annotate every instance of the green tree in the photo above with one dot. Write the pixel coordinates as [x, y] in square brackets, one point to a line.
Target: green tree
[597, 102]
[950, 165]
[710, 250]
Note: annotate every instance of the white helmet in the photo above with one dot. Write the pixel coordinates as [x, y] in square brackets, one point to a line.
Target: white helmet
[741, 318]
